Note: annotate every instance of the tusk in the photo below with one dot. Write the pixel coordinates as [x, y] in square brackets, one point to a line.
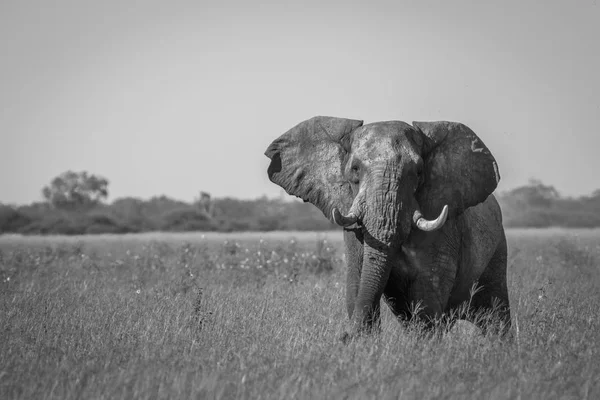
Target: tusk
[355, 213]
[343, 220]
[428, 226]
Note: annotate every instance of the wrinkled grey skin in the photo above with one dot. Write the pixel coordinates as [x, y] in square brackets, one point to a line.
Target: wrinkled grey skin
[384, 172]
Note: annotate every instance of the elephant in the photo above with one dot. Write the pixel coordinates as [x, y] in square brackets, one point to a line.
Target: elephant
[420, 221]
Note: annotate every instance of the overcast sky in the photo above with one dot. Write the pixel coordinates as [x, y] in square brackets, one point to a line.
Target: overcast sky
[175, 97]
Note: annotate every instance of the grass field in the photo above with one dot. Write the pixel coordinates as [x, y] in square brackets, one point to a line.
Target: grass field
[258, 316]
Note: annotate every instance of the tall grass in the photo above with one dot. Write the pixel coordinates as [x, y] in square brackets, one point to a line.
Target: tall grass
[259, 316]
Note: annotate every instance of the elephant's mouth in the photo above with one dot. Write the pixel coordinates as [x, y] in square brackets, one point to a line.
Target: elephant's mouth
[356, 214]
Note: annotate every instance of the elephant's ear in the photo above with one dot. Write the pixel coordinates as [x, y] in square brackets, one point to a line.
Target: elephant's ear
[459, 170]
[307, 161]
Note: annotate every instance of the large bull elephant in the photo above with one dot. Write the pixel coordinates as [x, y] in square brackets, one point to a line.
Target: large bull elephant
[420, 221]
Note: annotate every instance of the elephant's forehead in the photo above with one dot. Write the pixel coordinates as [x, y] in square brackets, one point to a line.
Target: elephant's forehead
[384, 142]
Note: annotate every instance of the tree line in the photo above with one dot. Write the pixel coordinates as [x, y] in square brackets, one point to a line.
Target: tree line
[74, 204]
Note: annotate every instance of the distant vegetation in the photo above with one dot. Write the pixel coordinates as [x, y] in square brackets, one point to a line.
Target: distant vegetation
[74, 205]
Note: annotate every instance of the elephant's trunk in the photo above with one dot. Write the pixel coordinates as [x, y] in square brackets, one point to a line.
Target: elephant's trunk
[375, 273]
[389, 209]
[387, 222]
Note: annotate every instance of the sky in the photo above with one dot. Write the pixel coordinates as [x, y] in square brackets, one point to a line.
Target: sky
[174, 97]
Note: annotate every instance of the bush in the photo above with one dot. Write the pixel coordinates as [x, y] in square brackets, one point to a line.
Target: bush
[59, 223]
[101, 222]
[186, 219]
[12, 220]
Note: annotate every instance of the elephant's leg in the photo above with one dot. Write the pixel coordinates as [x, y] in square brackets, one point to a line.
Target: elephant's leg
[432, 261]
[494, 291]
[396, 293]
[353, 240]
[430, 290]
[427, 300]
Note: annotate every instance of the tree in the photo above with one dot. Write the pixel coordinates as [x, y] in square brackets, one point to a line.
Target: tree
[595, 194]
[535, 194]
[74, 190]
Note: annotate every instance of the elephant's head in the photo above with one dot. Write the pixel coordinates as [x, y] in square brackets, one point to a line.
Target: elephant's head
[387, 177]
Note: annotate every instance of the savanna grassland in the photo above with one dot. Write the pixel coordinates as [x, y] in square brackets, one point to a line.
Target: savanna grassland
[259, 316]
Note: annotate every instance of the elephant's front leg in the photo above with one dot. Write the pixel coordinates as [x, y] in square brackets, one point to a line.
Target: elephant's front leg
[433, 266]
[353, 240]
[428, 300]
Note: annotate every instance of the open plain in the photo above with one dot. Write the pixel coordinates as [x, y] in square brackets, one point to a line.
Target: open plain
[258, 315]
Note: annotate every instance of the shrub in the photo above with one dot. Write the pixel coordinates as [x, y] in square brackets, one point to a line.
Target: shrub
[11, 220]
[186, 219]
